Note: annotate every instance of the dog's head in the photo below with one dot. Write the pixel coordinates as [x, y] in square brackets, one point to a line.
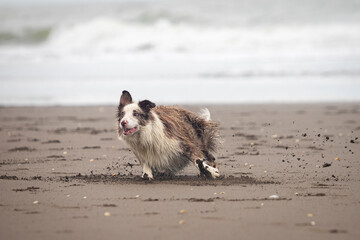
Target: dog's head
[132, 116]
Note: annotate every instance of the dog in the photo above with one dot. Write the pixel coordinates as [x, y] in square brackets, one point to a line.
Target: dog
[167, 138]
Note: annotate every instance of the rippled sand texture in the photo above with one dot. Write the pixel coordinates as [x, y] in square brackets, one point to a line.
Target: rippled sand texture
[287, 170]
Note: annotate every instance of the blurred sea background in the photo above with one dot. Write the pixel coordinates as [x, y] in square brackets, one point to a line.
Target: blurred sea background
[74, 52]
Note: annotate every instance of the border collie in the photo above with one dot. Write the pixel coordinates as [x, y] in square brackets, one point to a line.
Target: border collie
[165, 139]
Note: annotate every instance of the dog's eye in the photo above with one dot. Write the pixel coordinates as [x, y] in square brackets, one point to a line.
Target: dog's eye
[136, 114]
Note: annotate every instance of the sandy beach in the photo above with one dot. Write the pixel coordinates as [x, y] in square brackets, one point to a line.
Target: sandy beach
[288, 172]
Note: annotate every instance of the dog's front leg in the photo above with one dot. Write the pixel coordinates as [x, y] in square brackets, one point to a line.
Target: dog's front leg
[147, 172]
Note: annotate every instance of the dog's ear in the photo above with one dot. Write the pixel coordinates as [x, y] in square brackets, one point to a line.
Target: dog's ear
[125, 98]
[146, 105]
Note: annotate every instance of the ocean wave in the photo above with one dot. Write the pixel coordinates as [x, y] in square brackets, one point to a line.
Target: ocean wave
[25, 36]
[111, 36]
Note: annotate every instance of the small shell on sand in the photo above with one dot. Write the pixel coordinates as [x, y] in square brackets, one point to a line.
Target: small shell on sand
[91, 160]
[309, 214]
[274, 196]
[182, 211]
[312, 223]
[36, 202]
[107, 214]
[181, 222]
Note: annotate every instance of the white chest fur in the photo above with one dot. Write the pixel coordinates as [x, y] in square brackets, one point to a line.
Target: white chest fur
[153, 148]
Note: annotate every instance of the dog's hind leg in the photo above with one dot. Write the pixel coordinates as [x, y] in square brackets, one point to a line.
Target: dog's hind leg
[199, 159]
[207, 170]
[210, 159]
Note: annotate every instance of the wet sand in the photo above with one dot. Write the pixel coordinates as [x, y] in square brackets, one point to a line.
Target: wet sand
[65, 175]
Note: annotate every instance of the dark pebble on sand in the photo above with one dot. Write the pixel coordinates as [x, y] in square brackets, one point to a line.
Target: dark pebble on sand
[326, 165]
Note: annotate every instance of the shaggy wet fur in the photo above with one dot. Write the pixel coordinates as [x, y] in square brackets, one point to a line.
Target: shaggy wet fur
[198, 137]
[168, 138]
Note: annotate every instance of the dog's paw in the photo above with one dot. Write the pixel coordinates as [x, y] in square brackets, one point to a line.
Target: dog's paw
[147, 173]
[146, 176]
[213, 171]
[208, 171]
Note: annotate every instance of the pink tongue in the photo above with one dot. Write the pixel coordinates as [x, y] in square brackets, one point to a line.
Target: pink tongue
[129, 131]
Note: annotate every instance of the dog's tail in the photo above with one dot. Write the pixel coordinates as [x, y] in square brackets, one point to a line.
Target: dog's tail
[205, 114]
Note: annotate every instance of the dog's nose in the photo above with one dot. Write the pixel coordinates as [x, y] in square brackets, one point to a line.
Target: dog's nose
[123, 123]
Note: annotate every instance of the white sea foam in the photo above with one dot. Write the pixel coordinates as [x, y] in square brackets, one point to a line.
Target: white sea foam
[109, 38]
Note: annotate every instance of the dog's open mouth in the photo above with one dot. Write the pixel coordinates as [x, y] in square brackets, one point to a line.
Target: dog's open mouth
[129, 131]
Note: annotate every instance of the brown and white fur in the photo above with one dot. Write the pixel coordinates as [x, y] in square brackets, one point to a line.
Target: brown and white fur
[165, 139]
